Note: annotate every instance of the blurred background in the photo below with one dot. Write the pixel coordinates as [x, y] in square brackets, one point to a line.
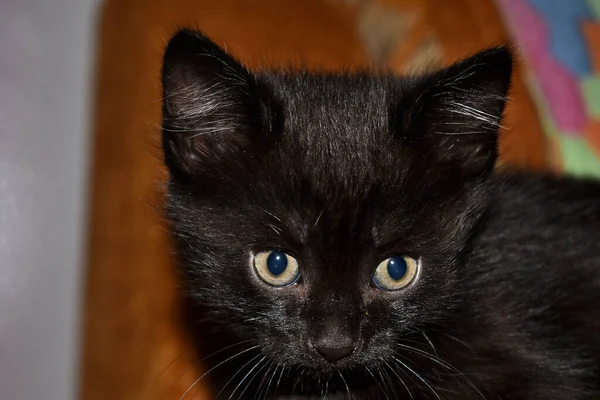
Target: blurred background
[88, 295]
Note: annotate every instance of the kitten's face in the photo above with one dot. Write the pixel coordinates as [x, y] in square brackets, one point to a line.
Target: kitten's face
[323, 217]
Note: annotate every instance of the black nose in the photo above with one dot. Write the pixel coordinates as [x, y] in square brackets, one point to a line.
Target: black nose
[334, 352]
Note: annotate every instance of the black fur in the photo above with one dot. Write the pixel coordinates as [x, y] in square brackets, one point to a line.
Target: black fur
[343, 171]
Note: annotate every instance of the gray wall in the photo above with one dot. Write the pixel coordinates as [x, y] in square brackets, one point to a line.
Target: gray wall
[46, 72]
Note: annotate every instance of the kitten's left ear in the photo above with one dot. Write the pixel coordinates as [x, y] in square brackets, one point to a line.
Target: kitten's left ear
[457, 111]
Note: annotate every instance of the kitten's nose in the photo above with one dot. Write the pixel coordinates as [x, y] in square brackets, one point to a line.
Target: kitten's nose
[334, 351]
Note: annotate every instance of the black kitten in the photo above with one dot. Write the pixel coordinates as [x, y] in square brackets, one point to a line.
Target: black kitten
[344, 235]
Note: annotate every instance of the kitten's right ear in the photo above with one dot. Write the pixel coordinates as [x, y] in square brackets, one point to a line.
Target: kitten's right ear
[455, 113]
[209, 108]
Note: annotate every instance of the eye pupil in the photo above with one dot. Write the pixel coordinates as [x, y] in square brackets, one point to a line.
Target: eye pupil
[397, 268]
[277, 262]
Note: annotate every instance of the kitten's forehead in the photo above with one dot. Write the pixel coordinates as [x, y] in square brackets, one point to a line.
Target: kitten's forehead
[341, 104]
[337, 128]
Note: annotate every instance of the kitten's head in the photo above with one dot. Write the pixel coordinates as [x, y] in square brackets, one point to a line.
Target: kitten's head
[323, 216]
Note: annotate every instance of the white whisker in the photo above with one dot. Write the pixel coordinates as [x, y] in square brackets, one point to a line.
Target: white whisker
[279, 379]
[377, 382]
[401, 380]
[430, 343]
[213, 368]
[319, 218]
[444, 364]
[418, 377]
[253, 376]
[272, 215]
[387, 381]
[236, 374]
[345, 384]
[271, 379]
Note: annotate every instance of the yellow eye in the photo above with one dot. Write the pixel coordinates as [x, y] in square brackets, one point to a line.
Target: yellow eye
[276, 268]
[395, 273]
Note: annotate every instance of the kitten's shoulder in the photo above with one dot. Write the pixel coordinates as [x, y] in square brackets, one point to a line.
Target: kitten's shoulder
[543, 208]
[519, 188]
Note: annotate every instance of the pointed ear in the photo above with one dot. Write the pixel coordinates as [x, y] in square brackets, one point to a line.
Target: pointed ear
[457, 111]
[209, 106]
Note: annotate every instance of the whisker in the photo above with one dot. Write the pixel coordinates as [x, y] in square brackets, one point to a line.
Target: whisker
[345, 384]
[387, 381]
[377, 382]
[197, 362]
[236, 374]
[279, 379]
[253, 376]
[326, 389]
[461, 342]
[297, 380]
[223, 349]
[459, 133]
[270, 380]
[216, 366]
[319, 218]
[275, 229]
[418, 377]
[457, 340]
[261, 387]
[444, 364]
[401, 380]
[163, 372]
[271, 214]
[430, 343]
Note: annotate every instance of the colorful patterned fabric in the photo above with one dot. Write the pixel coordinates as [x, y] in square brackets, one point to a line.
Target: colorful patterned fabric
[561, 44]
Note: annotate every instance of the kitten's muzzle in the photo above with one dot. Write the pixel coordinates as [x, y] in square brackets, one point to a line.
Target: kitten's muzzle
[334, 328]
